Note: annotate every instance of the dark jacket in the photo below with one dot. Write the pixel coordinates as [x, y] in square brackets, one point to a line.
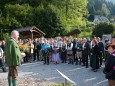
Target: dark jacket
[74, 45]
[109, 69]
[100, 47]
[87, 48]
[95, 49]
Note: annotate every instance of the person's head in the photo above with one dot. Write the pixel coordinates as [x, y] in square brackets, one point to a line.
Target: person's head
[75, 39]
[60, 39]
[88, 38]
[107, 42]
[36, 40]
[3, 42]
[30, 40]
[84, 40]
[95, 42]
[15, 35]
[45, 41]
[98, 39]
[68, 41]
[111, 48]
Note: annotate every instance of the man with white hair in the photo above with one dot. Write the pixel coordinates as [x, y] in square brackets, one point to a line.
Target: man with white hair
[13, 56]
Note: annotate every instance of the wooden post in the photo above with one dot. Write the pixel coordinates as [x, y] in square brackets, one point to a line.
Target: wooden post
[66, 79]
[32, 35]
[65, 83]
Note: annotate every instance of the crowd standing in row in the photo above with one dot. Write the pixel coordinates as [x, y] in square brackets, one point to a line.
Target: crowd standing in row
[79, 51]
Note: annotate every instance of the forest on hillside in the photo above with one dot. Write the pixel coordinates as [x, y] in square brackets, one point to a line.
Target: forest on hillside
[55, 16]
[101, 7]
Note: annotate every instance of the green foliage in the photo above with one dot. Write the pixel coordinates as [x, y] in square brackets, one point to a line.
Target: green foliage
[76, 14]
[54, 17]
[101, 7]
[103, 28]
[48, 21]
[6, 36]
[22, 13]
[114, 34]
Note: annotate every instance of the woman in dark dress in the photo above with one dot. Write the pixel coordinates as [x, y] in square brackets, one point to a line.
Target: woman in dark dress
[64, 53]
[109, 69]
[94, 60]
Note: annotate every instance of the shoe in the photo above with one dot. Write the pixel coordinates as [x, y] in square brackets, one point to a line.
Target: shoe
[62, 61]
[95, 70]
[83, 65]
[47, 63]
[5, 71]
[86, 66]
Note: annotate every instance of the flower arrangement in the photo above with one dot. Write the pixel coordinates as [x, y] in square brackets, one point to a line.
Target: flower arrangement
[22, 47]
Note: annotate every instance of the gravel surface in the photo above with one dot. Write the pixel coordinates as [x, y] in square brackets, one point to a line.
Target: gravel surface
[28, 82]
[38, 74]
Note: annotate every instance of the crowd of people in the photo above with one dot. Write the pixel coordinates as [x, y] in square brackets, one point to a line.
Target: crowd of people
[82, 51]
[78, 51]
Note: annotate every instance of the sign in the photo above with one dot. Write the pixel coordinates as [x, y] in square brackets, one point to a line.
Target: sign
[64, 76]
[107, 37]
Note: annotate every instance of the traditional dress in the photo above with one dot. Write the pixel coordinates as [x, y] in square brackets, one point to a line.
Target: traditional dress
[70, 52]
[79, 52]
[94, 60]
[55, 54]
[63, 54]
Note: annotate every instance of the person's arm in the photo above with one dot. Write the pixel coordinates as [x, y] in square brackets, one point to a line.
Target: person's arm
[108, 65]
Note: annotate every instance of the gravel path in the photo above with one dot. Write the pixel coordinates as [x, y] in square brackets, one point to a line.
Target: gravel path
[38, 74]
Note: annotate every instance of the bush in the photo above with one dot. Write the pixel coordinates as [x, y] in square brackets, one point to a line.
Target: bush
[103, 28]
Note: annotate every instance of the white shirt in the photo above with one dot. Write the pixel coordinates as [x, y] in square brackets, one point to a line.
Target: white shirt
[70, 47]
[60, 43]
[1, 52]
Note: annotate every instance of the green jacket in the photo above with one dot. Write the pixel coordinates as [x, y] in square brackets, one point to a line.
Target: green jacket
[13, 54]
[79, 47]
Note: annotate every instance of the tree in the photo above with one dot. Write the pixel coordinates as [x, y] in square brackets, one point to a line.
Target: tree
[100, 7]
[22, 13]
[105, 10]
[58, 16]
[47, 20]
[103, 28]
